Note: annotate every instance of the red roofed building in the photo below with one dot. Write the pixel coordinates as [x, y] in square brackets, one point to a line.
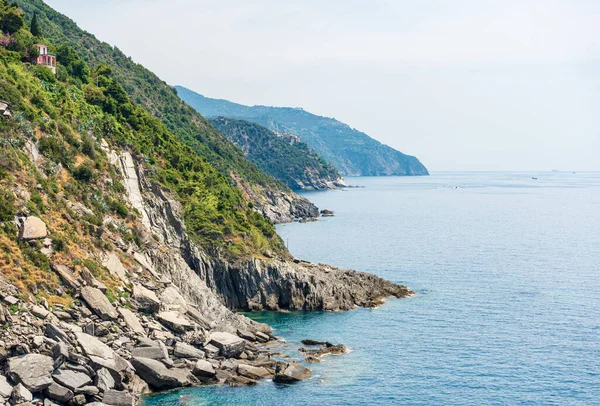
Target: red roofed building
[45, 59]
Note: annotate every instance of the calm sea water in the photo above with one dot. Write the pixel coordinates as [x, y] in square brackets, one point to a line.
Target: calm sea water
[507, 274]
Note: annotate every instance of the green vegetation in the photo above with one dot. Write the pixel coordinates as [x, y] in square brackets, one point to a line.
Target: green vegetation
[70, 115]
[293, 163]
[351, 152]
[147, 90]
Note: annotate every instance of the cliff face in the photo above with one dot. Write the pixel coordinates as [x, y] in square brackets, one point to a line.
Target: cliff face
[351, 152]
[280, 155]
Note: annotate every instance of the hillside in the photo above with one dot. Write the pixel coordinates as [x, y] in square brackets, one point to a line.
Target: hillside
[268, 195]
[281, 156]
[350, 151]
[124, 255]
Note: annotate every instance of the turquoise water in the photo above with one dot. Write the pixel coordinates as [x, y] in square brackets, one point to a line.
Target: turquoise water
[507, 274]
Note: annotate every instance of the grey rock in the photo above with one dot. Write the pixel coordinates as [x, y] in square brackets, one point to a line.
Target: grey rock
[5, 387]
[66, 275]
[39, 311]
[132, 321]
[183, 350]
[20, 394]
[203, 368]
[102, 355]
[252, 372]
[229, 345]
[115, 266]
[175, 322]
[78, 400]
[99, 303]
[58, 392]
[153, 352]
[146, 299]
[88, 390]
[91, 281]
[56, 333]
[104, 380]
[71, 379]
[246, 335]
[32, 370]
[32, 228]
[117, 398]
[290, 373]
[211, 351]
[171, 296]
[11, 300]
[156, 374]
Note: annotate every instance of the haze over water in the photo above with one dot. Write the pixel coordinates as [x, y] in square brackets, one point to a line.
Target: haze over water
[507, 309]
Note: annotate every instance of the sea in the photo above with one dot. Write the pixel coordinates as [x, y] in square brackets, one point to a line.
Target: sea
[506, 273]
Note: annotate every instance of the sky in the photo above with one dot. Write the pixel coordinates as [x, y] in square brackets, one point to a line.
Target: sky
[461, 84]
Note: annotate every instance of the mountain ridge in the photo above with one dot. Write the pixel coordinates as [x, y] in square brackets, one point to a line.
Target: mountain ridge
[351, 152]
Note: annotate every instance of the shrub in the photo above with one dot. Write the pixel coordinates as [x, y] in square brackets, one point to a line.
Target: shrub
[7, 205]
[83, 173]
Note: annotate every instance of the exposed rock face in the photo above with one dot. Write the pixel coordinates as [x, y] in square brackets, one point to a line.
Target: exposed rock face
[32, 228]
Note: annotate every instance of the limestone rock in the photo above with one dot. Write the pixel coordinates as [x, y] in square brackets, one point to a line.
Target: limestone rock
[104, 380]
[183, 350]
[203, 368]
[132, 321]
[5, 387]
[229, 345]
[20, 394]
[66, 275]
[156, 374]
[115, 266]
[58, 392]
[171, 296]
[102, 355]
[290, 373]
[253, 372]
[174, 321]
[99, 303]
[71, 379]
[117, 398]
[154, 351]
[32, 370]
[146, 299]
[32, 228]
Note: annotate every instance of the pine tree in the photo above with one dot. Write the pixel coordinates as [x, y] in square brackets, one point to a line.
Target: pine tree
[35, 26]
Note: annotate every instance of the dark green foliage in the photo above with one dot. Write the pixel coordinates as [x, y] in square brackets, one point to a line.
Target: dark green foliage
[56, 150]
[350, 151]
[291, 162]
[11, 20]
[35, 26]
[75, 66]
[83, 173]
[7, 208]
[44, 73]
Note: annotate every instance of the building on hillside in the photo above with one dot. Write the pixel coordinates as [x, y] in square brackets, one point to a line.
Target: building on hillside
[45, 59]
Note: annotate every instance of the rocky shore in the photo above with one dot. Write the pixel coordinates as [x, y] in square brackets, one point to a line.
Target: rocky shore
[168, 319]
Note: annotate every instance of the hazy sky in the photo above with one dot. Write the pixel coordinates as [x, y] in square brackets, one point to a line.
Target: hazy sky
[462, 84]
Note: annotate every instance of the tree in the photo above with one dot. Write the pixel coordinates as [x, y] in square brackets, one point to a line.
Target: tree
[11, 21]
[35, 26]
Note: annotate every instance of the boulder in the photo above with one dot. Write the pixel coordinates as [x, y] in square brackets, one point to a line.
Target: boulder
[229, 345]
[104, 380]
[156, 374]
[99, 303]
[88, 390]
[32, 370]
[66, 275]
[203, 369]
[39, 311]
[146, 299]
[115, 266]
[20, 394]
[290, 373]
[183, 350]
[246, 335]
[171, 296]
[211, 351]
[56, 333]
[32, 228]
[117, 398]
[5, 388]
[262, 337]
[194, 314]
[102, 355]
[154, 351]
[71, 379]
[252, 372]
[175, 322]
[58, 392]
[132, 321]
[87, 276]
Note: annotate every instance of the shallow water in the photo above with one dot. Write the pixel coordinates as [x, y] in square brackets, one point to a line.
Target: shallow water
[507, 311]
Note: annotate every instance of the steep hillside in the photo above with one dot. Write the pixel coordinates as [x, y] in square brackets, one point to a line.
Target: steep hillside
[281, 156]
[268, 195]
[123, 254]
[350, 151]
